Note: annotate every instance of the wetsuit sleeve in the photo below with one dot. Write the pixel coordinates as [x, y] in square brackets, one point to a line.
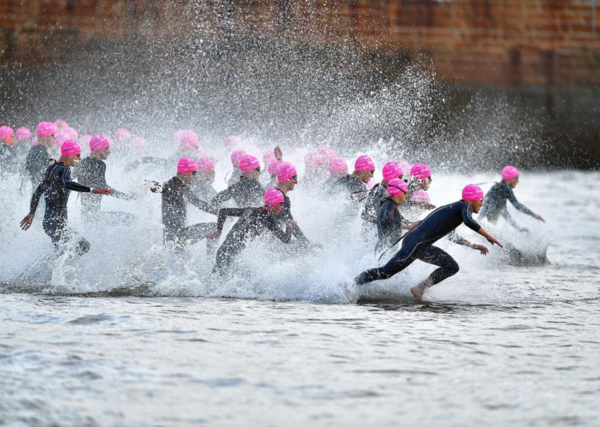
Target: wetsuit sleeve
[35, 198]
[201, 204]
[453, 237]
[386, 216]
[226, 212]
[518, 206]
[369, 212]
[285, 237]
[469, 222]
[71, 185]
[223, 196]
[508, 217]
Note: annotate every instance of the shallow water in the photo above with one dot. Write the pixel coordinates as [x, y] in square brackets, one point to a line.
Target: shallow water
[499, 344]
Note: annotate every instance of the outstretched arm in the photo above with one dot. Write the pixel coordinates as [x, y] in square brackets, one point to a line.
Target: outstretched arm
[489, 237]
[522, 208]
[35, 200]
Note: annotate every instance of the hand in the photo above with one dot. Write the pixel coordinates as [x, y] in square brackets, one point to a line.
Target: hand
[101, 191]
[429, 206]
[213, 235]
[278, 153]
[481, 248]
[494, 241]
[26, 222]
[292, 224]
[539, 217]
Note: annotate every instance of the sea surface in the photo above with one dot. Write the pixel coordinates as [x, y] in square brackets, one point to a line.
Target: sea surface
[94, 341]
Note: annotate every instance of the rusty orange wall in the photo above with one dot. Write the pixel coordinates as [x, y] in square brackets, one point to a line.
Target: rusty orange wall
[472, 42]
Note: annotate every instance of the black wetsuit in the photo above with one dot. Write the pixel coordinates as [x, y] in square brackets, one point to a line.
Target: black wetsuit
[418, 244]
[373, 203]
[203, 189]
[246, 193]
[286, 216]
[92, 172]
[175, 196]
[253, 222]
[494, 204]
[36, 164]
[56, 187]
[352, 184]
[389, 224]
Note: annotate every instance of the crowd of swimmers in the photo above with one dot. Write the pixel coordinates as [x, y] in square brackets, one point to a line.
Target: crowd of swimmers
[389, 209]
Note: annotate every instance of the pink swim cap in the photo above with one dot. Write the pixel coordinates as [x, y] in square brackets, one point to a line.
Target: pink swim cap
[70, 148]
[98, 143]
[269, 157]
[236, 156]
[337, 165]
[406, 167]
[85, 139]
[396, 186]
[23, 133]
[186, 165]
[122, 135]
[72, 134]
[391, 170]
[420, 171]
[248, 163]
[314, 159]
[327, 152]
[140, 143]
[6, 132]
[188, 139]
[61, 124]
[364, 164]
[272, 168]
[420, 196]
[509, 172]
[472, 192]
[60, 138]
[285, 171]
[45, 129]
[233, 141]
[273, 197]
[205, 164]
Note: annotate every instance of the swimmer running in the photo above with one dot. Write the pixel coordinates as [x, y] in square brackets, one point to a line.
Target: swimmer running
[418, 243]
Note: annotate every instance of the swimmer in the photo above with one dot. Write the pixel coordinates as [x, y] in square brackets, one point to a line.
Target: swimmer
[495, 200]
[203, 184]
[418, 243]
[390, 171]
[248, 191]
[236, 157]
[38, 157]
[56, 187]
[176, 193]
[364, 168]
[92, 172]
[389, 220]
[253, 222]
[287, 179]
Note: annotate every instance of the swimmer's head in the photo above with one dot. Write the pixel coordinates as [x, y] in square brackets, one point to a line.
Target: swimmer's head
[364, 168]
[187, 169]
[70, 153]
[510, 175]
[314, 159]
[391, 170]
[269, 158]
[236, 156]
[287, 177]
[6, 135]
[250, 167]
[420, 196]
[100, 146]
[327, 152]
[397, 189]
[338, 166]
[233, 142]
[274, 201]
[23, 134]
[46, 132]
[122, 135]
[473, 195]
[206, 169]
[421, 174]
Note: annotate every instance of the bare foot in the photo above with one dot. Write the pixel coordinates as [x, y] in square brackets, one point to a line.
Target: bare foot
[417, 292]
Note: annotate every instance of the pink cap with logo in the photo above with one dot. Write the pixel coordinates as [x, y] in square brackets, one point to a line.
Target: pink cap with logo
[70, 148]
[420, 196]
[23, 133]
[98, 143]
[186, 165]
[188, 139]
[472, 192]
[6, 133]
[45, 129]
[391, 170]
[509, 172]
[364, 164]
[285, 171]
[273, 197]
[406, 167]
[205, 164]
[420, 171]
[236, 156]
[60, 138]
[396, 186]
[248, 163]
[337, 165]
[272, 168]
